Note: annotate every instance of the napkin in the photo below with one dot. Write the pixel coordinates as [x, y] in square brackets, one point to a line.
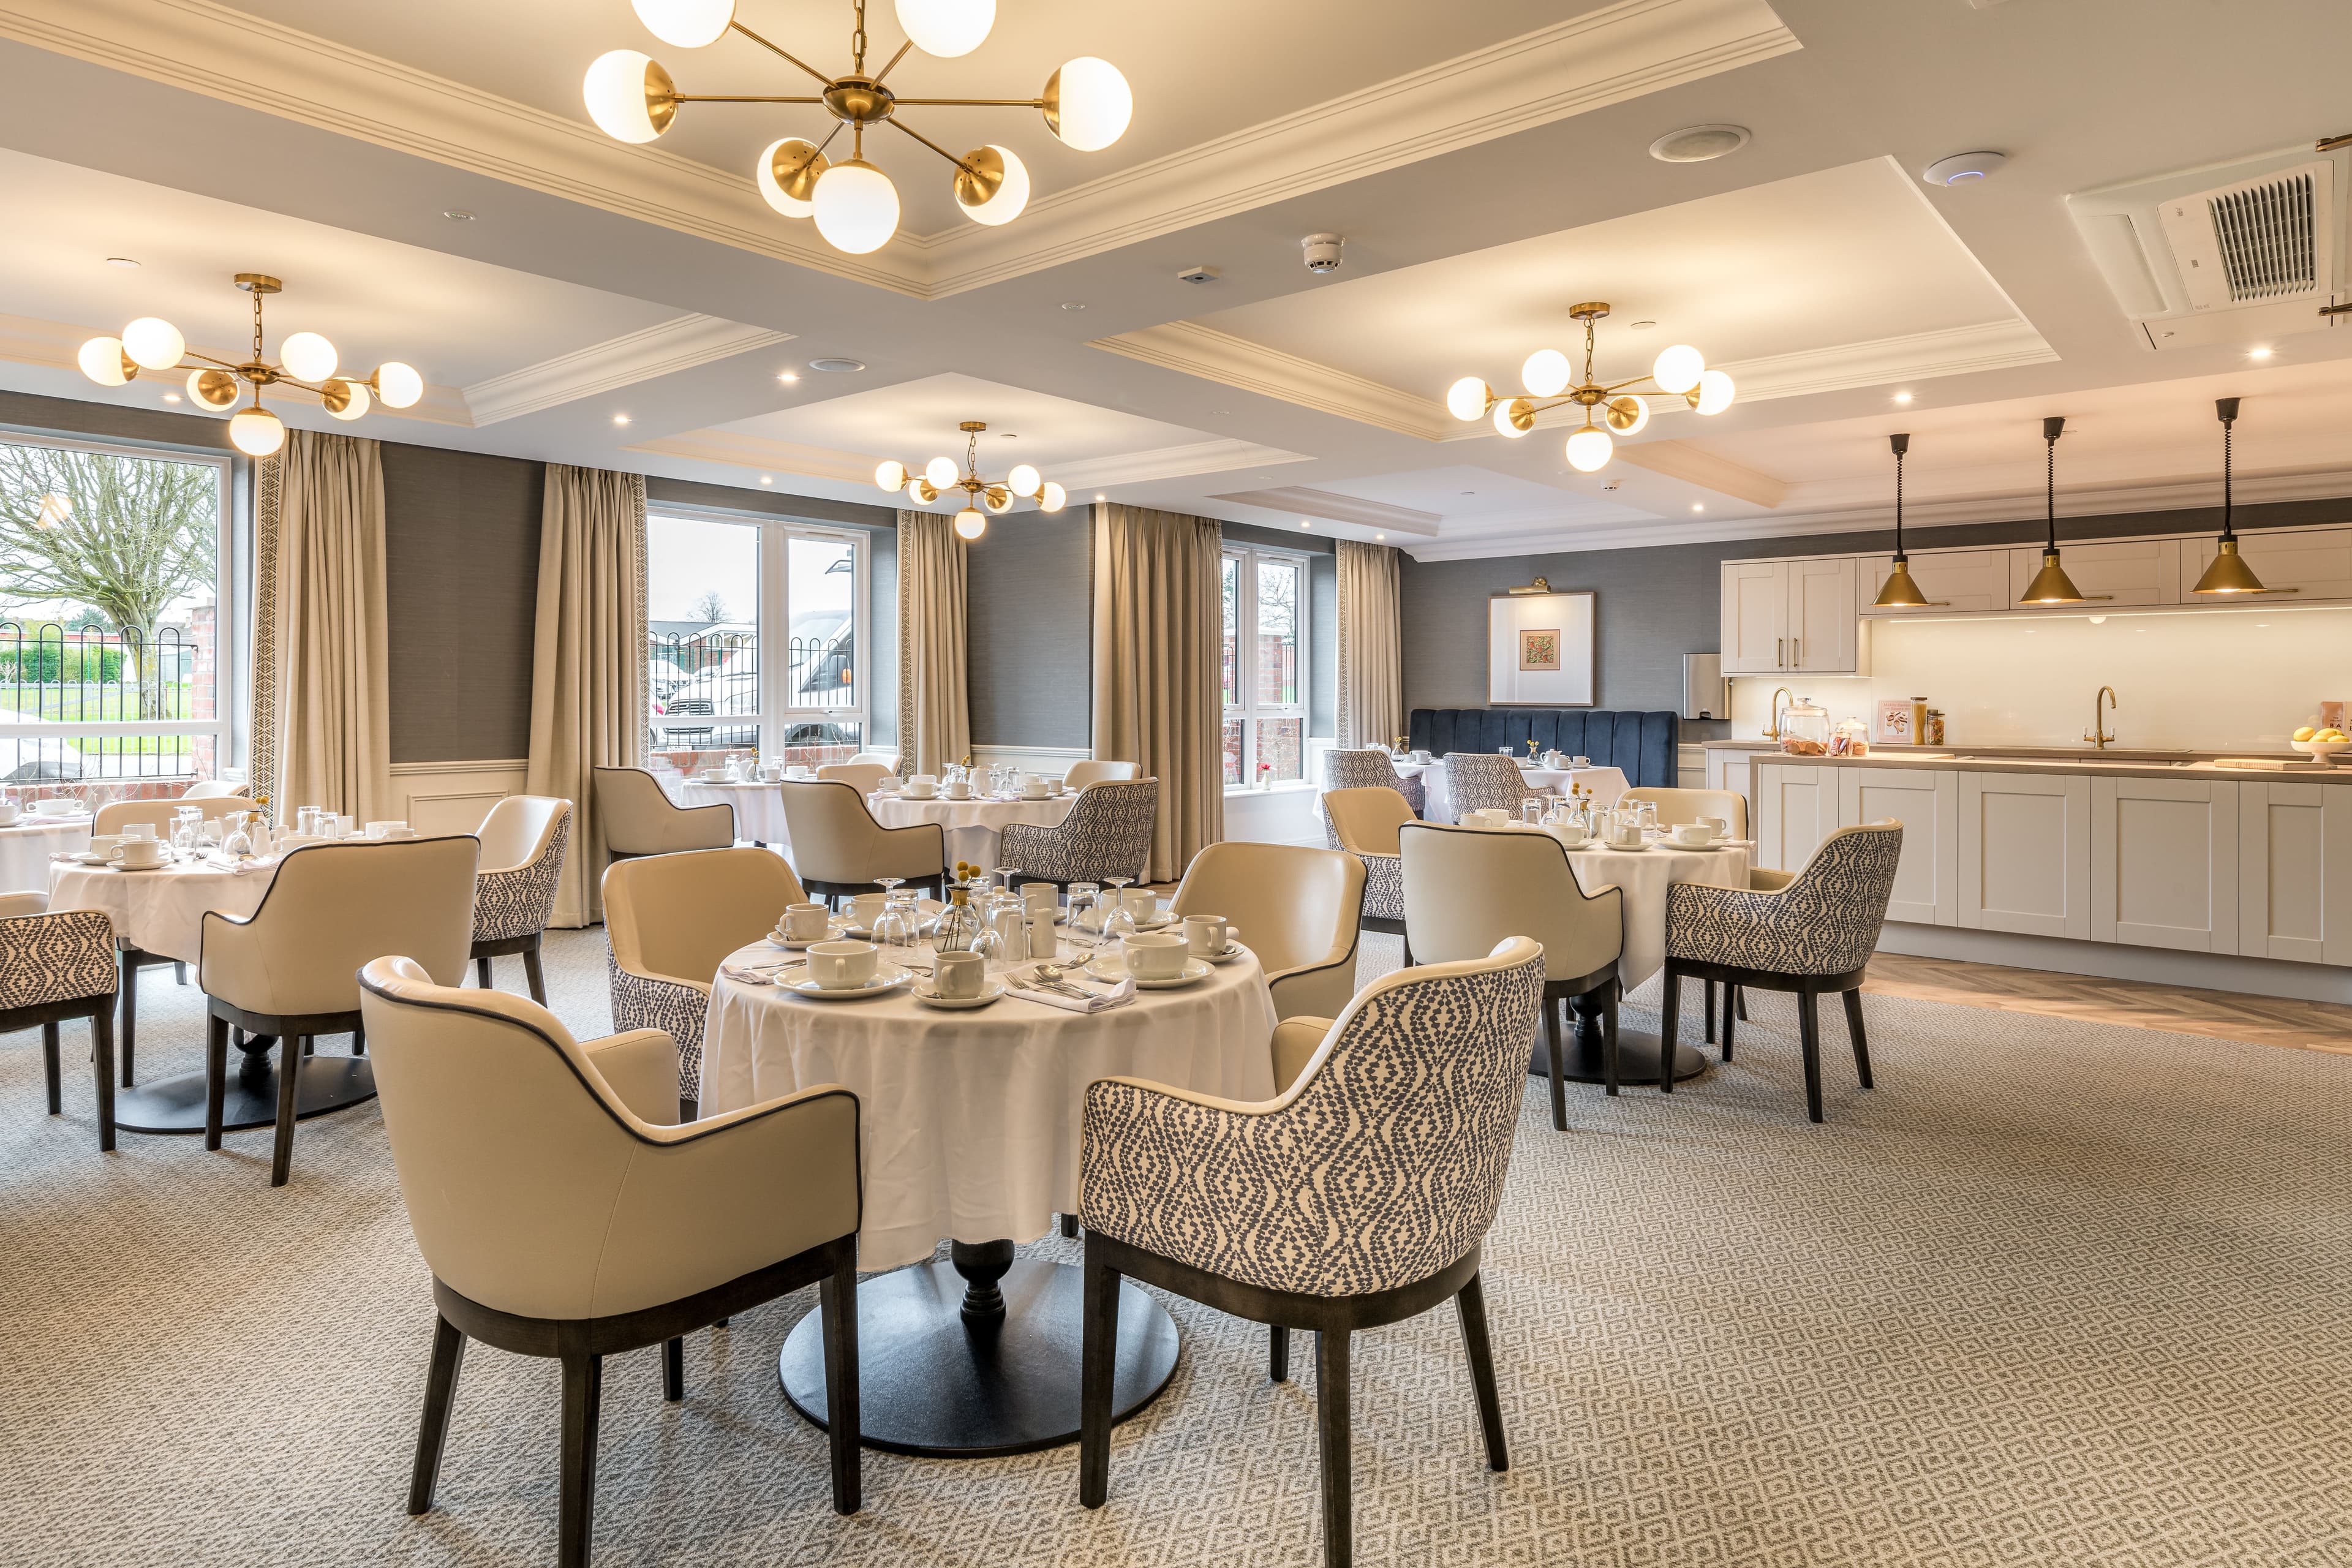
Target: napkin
[1116, 996]
[759, 973]
[240, 868]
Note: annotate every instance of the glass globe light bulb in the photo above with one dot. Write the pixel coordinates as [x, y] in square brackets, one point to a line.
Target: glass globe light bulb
[856, 208]
[1052, 497]
[1714, 392]
[257, 432]
[947, 28]
[622, 89]
[101, 360]
[153, 344]
[1503, 426]
[688, 24]
[1641, 407]
[358, 403]
[942, 472]
[308, 356]
[1012, 195]
[1589, 449]
[1678, 368]
[1545, 373]
[1089, 103]
[1466, 398]
[889, 475]
[212, 388]
[1024, 480]
[398, 385]
[805, 167]
[969, 524]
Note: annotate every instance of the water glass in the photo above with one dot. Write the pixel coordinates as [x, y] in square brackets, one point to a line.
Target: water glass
[1086, 915]
[899, 927]
[1531, 810]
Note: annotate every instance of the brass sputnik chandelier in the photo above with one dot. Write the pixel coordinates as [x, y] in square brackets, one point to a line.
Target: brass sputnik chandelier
[306, 361]
[1679, 372]
[1086, 103]
[940, 475]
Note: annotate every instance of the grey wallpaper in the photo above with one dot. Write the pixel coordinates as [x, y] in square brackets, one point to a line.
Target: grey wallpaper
[1029, 630]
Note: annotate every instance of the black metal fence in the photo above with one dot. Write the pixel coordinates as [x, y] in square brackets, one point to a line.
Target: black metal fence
[52, 673]
[716, 675]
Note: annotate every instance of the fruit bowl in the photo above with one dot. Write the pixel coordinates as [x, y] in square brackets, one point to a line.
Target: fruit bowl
[2324, 750]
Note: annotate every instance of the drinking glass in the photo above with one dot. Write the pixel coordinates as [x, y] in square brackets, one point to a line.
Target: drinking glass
[899, 927]
[1646, 814]
[1086, 914]
[184, 824]
[1531, 810]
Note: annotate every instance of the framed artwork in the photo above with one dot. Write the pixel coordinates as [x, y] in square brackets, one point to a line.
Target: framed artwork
[1539, 649]
[1893, 726]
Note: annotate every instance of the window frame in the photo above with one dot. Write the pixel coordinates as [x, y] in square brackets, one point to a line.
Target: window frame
[1250, 710]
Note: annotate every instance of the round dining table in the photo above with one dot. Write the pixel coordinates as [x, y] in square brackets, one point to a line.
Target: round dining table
[973, 827]
[1604, 784]
[759, 808]
[26, 845]
[969, 1129]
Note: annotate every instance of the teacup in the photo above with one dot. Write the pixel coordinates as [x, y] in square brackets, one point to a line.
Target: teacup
[387, 830]
[804, 923]
[1716, 826]
[9, 811]
[1055, 783]
[137, 830]
[1492, 816]
[1580, 761]
[1694, 834]
[141, 853]
[1208, 936]
[958, 789]
[105, 843]
[1039, 898]
[923, 786]
[1141, 902]
[1033, 786]
[840, 965]
[958, 977]
[1157, 954]
[864, 908]
[1420, 755]
[1569, 833]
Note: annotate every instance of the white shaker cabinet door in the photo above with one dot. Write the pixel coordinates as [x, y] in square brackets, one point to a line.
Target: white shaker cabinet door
[1824, 631]
[2294, 871]
[1927, 802]
[2024, 853]
[2164, 863]
[1796, 808]
[1755, 640]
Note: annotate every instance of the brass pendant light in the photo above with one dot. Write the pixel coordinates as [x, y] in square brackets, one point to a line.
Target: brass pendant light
[2229, 573]
[1900, 593]
[2051, 585]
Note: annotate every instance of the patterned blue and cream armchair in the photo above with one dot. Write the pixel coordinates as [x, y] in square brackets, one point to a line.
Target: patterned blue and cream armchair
[673, 920]
[1359, 1196]
[1365, 823]
[1108, 833]
[1476, 781]
[1371, 769]
[54, 967]
[524, 840]
[1812, 934]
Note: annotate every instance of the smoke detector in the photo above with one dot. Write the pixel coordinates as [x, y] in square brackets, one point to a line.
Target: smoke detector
[1322, 252]
[1697, 143]
[1963, 168]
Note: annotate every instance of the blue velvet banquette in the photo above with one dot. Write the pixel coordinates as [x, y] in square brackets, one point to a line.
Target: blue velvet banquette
[1640, 744]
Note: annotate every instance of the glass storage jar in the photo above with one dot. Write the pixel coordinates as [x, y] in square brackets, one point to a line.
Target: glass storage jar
[1805, 728]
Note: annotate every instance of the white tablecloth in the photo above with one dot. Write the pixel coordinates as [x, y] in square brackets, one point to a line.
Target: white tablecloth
[1644, 876]
[161, 911]
[759, 808]
[1604, 784]
[970, 1119]
[972, 826]
[25, 851]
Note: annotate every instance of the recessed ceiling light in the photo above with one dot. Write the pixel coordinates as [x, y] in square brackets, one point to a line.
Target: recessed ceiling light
[1378, 537]
[457, 214]
[120, 261]
[1098, 495]
[1217, 411]
[620, 419]
[1902, 397]
[2259, 353]
[1697, 143]
[1644, 326]
[1698, 506]
[788, 377]
[1304, 523]
[1963, 168]
[1074, 304]
[765, 480]
[837, 366]
[170, 397]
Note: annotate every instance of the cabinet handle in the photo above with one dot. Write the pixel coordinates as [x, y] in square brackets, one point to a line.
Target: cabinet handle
[1796, 660]
[1779, 662]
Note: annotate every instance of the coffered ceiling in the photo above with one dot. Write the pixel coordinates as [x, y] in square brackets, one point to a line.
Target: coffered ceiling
[1487, 165]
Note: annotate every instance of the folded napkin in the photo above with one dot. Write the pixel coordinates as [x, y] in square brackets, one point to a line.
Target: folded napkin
[760, 974]
[1095, 1002]
[239, 867]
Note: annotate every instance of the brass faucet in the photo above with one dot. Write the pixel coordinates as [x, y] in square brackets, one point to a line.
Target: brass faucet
[1772, 731]
[2097, 733]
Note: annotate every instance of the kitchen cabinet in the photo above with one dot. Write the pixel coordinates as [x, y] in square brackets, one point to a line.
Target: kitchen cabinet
[1727, 768]
[2024, 853]
[1755, 618]
[1952, 580]
[1794, 809]
[1927, 804]
[1792, 616]
[2126, 572]
[2164, 863]
[2294, 871]
[2314, 563]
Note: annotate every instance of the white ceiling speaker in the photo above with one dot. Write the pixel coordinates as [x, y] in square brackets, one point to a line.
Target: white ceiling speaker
[1963, 168]
[1697, 143]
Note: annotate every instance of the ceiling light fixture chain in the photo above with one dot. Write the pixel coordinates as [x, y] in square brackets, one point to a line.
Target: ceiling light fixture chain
[939, 475]
[1086, 103]
[1679, 371]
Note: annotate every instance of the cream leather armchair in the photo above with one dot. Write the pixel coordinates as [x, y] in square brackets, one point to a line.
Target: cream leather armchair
[1365, 823]
[1295, 906]
[1466, 888]
[672, 921]
[838, 848]
[524, 840]
[1096, 771]
[563, 1213]
[118, 816]
[638, 818]
[289, 972]
[865, 777]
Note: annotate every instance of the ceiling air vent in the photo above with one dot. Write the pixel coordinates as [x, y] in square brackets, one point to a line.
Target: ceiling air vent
[2236, 254]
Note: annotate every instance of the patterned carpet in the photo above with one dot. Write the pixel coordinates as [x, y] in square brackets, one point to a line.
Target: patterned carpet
[2056, 1293]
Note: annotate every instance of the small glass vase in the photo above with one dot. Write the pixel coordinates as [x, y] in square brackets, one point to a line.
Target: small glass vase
[959, 926]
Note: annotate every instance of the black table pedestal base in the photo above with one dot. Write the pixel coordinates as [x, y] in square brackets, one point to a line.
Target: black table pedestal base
[1637, 1052]
[937, 1380]
[177, 1104]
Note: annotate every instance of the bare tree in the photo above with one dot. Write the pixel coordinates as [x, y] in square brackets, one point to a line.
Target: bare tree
[123, 536]
[710, 608]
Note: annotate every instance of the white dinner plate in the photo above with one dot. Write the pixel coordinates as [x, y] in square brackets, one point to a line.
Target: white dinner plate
[989, 990]
[887, 978]
[1110, 969]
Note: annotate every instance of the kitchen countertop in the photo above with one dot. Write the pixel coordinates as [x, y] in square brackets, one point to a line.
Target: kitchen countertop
[2029, 760]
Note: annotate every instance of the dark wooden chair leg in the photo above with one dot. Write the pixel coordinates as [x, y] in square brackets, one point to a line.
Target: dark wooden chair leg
[1551, 1006]
[129, 986]
[290, 1084]
[1729, 993]
[535, 974]
[1670, 1027]
[837, 1300]
[1809, 1033]
[687, 1110]
[1472, 1305]
[1609, 1005]
[179, 972]
[1069, 1227]
[482, 974]
[1739, 1003]
[440, 1398]
[359, 1042]
[50, 1068]
[1408, 952]
[1710, 1012]
[1278, 1353]
[1098, 1360]
[216, 1073]
[583, 1389]
[101, 1038]
[1331, 1426]
[1860, 1040]
[674, 1369]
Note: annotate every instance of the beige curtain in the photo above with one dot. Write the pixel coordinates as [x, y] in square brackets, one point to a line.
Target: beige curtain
[588, 660]
[1371, 646]
[1158, 628]
[934, 687]
[329, 716]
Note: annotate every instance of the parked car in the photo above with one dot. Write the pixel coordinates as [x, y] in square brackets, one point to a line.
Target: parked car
[36, 759]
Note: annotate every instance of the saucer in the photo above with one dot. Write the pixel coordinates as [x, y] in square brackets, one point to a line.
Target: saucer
[989, 990]
[1624, 848]
[886, 977]
[1112, 971]
[1233, 950]
[772, 939]
[158, 866]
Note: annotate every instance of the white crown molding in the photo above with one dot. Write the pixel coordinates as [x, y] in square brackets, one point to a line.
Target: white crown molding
[1195, 349]
[659, 350]
[1608, 56]
[1170, 463]
[1334, 508]
[1585, 63]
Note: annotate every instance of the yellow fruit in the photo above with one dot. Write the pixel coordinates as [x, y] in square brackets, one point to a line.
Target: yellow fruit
[2306, 733]
[2336, 735]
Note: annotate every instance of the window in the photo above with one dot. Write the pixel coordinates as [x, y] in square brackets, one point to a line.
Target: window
[755, 634]
[1264, 666]
[115, 631]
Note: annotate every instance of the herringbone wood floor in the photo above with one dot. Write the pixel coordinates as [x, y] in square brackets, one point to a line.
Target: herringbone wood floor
[2225, 1015]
